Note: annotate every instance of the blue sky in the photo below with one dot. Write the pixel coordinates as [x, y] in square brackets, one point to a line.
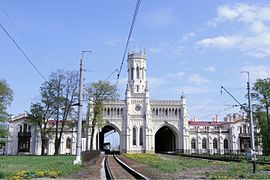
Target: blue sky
[192, 46]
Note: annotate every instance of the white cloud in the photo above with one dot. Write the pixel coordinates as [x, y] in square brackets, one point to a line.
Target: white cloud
[172, 49]
[161, 17]
[188, 36]
[154, 81]
[191, 90]
[223, 42]
[123, 81]
[257, 71]
[113, 42]
[210, 69]
[177, 75]
[254, 37]
[197, 79]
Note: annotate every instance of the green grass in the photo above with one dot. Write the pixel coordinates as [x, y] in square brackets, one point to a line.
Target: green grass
[12, 164]
[169, 166]
[230, 170]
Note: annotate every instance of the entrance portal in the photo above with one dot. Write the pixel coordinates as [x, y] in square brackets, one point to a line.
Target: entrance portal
[24, 142]
[109, 139]
[165, 140]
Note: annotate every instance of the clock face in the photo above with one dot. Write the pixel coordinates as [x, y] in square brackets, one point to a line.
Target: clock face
[137, 108]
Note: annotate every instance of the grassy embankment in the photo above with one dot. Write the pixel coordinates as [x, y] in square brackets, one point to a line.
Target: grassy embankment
[230, 170]
[25, 167]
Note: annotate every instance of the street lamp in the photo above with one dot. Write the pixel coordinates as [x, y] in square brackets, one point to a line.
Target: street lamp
[79, 128]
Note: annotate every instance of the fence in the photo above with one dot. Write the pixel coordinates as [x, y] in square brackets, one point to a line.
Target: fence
[230, 155]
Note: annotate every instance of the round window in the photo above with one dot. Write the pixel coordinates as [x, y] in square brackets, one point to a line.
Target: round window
[137, 108]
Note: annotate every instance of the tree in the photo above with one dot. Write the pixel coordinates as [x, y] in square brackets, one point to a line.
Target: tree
[42, 111]
[39, 115]
[66, 94]
[57, 96]
[261, 95]
[6, 97]
[99, 92]
[263, 136]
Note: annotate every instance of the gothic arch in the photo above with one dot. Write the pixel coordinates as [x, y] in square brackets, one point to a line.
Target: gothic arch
[107, 128]
[166, 138]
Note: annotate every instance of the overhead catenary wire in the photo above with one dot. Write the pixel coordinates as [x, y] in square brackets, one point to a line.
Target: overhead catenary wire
[218, 112]
[20, 49]
[23, 37]
[215, 99]
[128, 39]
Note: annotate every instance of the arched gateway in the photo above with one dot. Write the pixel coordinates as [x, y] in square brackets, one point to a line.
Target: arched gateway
[109, 138]
[166, 140]
[143, 125]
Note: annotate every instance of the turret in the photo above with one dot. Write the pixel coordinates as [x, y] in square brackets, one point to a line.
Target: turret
[184, 114]
[137, 72]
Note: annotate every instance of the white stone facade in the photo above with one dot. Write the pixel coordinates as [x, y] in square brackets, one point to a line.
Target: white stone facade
[146, 125]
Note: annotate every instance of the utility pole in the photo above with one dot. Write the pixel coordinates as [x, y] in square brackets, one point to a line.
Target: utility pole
[79, 128]
[251, 127]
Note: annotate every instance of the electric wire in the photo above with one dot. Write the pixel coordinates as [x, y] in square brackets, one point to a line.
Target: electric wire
[128, 39]
[92, 70]
[218, 112]
[23, 37]
[208, 104]
[20, 49]
[217, 98]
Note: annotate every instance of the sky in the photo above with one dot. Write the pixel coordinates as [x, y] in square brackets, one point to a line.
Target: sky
[192, 46]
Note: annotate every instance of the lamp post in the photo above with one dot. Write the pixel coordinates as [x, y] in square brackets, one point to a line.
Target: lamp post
[79, 128]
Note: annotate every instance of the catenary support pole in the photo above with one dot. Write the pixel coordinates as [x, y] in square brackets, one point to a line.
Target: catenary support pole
[79, 128]
[250, 114]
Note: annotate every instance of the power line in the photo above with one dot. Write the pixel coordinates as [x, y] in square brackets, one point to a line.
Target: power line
[13, 40]
[220, 111]
[98, 71]
[209, 103]
[23, 37]
[128, 39]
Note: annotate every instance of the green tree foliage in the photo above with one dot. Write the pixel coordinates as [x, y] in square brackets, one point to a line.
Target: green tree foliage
[57, 96]
[261, 96]
[66, 93]
[39, 115]
[42, 111]
[99, 92]
[6, 97]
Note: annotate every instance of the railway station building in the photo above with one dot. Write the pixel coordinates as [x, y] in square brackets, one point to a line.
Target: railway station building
[143, 125]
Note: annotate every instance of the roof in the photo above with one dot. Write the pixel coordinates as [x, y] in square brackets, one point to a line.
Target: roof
[204, 123]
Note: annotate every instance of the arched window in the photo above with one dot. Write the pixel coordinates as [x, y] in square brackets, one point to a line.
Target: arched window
[193, 144]
[132, 73]
[204, 143]
[134, 136]
[68, 143]
[138, 72]
[141, 136]
[215, 143]
[226, 144]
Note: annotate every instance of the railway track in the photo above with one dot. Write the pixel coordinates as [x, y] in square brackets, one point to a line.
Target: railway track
[116, 169]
